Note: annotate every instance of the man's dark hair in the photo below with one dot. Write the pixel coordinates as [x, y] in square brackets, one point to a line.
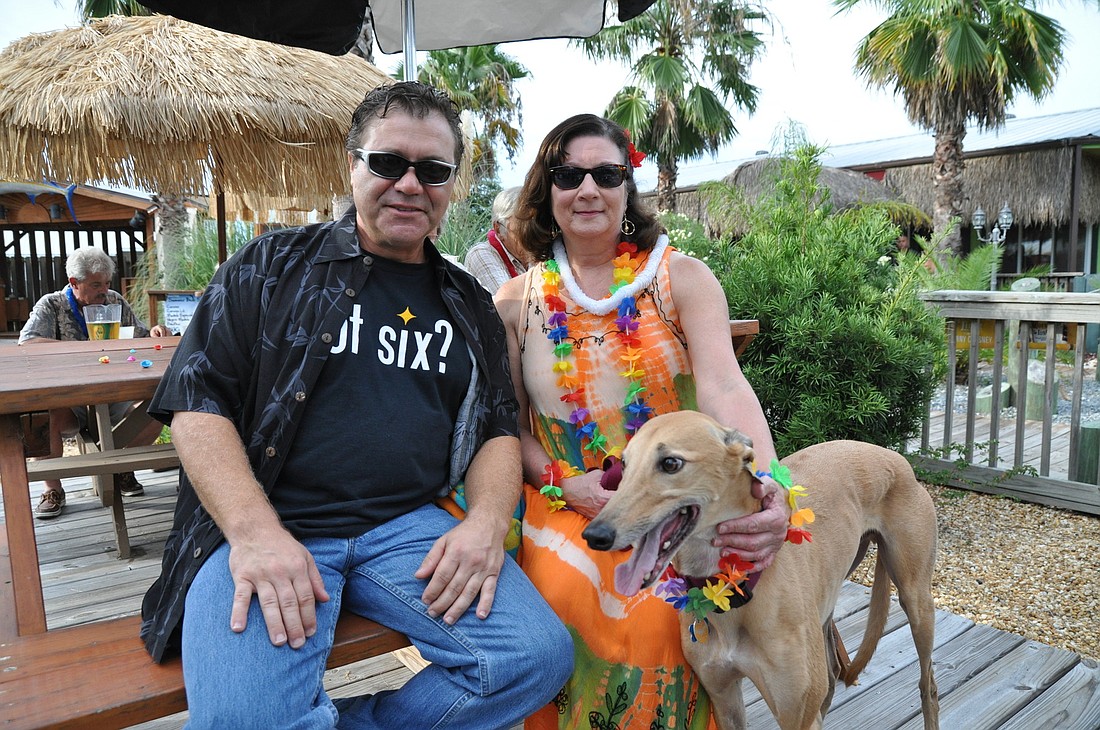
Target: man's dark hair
[533, 220]
[414, 98]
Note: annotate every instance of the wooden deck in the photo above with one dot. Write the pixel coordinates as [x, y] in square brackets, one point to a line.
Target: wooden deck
[1058, 467]
[987, 678]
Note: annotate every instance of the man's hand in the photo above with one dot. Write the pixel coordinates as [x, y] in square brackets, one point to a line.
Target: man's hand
[282, 574]
[758, 537]
[462, 564]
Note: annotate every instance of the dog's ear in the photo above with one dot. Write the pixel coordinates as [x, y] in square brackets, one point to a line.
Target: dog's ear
[739, 446]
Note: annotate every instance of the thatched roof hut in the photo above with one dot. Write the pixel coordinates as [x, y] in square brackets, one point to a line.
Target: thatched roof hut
[1038, 183]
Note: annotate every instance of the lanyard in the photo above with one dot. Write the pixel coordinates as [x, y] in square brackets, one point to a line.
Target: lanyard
[77, 314]
[499, 248]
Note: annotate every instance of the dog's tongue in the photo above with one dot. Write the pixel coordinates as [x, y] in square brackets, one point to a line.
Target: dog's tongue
[630, 575]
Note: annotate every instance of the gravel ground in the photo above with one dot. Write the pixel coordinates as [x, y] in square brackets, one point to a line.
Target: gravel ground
[1023, 568]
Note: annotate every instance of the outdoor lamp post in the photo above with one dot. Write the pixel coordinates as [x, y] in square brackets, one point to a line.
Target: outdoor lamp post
[996, 235]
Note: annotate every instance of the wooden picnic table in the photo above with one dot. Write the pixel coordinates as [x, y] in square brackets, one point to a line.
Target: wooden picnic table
[47, 375]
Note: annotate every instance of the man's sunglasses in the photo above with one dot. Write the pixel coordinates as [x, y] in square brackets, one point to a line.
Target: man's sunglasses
[393, 167]
[566, 177]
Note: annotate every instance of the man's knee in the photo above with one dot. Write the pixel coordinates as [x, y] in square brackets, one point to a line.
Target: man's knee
[543, 659]
[556, 655]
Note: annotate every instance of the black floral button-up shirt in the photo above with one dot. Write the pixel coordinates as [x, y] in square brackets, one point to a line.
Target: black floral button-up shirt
[253, 352]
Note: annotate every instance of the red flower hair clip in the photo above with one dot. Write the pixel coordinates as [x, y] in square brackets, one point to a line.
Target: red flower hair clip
[635, 156]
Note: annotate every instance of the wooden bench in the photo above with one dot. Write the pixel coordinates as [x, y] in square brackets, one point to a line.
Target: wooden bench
[104, 463]
[99, 674]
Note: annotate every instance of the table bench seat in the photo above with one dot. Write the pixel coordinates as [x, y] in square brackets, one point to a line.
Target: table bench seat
[131, 458]
[121, 685]
[116, 683]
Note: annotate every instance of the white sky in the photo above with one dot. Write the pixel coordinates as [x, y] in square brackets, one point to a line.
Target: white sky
[806, 75]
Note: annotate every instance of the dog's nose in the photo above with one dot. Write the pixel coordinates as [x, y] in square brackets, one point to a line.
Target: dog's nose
[598, 536]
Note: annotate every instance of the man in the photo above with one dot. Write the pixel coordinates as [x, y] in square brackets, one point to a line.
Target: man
[60, 316]
[334, 380]
[501, 257]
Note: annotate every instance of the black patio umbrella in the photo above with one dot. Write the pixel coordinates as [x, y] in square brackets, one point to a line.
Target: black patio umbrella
[332, 26]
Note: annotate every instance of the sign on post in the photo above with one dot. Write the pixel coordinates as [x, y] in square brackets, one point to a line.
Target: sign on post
[178, 310]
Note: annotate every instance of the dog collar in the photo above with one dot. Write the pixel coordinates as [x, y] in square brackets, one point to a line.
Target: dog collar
[730, 588]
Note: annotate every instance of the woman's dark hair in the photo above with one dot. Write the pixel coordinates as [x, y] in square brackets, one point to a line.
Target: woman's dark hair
[533, 221]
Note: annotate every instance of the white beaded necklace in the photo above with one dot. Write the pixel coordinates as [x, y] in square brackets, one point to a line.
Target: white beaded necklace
[603, 306]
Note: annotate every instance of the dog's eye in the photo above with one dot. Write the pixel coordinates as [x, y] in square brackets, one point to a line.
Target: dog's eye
[671, 464]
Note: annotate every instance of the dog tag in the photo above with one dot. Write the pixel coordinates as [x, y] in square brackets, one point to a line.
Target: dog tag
[700, 630]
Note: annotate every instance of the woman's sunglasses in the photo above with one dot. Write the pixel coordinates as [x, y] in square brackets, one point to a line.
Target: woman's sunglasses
[393, 167]
[566, 177]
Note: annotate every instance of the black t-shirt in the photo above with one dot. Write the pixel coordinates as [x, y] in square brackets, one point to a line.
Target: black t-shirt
[375, 440]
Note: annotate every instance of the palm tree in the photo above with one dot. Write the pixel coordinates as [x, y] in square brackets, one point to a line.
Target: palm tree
[956, 62]
[481, 79]
[89, 9]
[172, 220]
[694, 58]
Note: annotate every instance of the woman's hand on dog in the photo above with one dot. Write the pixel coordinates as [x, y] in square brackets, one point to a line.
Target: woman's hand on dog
[583, 494]
[758, 537]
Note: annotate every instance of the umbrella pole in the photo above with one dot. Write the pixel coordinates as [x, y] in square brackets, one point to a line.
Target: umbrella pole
[222, 247]
[408, 22]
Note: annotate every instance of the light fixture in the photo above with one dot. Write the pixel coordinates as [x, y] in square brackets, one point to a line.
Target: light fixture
[996, 235]
[1000, 228]
[137, 222]
[55, 212]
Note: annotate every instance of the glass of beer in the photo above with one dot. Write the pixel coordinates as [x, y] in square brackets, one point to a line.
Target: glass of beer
[103, 321]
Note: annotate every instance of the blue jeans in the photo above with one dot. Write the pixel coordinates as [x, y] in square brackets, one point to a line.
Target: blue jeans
[484, 674]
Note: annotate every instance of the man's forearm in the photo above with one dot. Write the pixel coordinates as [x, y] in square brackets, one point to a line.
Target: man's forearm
[212, 454]
[494, 482]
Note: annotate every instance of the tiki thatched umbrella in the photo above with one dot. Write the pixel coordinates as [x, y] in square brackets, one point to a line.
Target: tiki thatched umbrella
[164, 105]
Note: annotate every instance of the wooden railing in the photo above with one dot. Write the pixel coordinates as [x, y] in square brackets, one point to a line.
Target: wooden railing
[995, 449]
[1060, 281]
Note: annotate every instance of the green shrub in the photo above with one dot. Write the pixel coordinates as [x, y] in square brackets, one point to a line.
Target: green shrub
[846, 349]
[467, 220]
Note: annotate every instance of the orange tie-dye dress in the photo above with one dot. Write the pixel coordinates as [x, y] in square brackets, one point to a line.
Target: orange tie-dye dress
[630, 670]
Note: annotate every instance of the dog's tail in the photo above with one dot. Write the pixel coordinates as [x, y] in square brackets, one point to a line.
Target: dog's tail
[876, 622]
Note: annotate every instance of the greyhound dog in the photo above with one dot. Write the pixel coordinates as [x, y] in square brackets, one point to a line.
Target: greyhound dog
[684, 473]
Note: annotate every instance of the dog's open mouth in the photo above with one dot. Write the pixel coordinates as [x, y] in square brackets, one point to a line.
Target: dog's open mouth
[654, 551]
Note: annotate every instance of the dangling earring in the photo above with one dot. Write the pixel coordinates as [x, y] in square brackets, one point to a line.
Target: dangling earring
[627, 226]
[554, 230]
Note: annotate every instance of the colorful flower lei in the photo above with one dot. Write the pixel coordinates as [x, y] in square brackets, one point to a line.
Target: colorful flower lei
[796, 533]
[711, 597]
[551, 479]
[635, 409]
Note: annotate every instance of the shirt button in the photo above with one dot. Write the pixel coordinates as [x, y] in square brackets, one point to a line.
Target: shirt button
[350, 292]
[299, 396]
[270, 451]
[368, 260]
[326, 338]
[198, 553]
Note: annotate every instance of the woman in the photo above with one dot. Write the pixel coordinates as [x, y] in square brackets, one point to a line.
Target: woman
[589, 369]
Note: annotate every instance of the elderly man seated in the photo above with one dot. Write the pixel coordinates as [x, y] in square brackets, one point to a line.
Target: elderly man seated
[60, 316]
